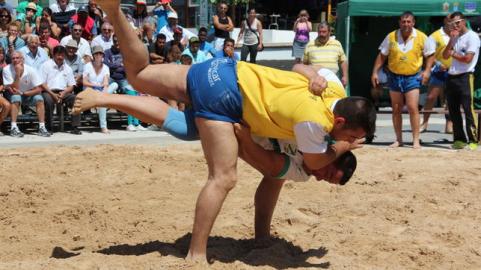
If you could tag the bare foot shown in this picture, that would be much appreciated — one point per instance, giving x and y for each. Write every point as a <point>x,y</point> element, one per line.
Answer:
<point>196,260</point>
<point>105,130</point>
<point>416,145</point>
<point>396,144</point>
<point>85,100</point>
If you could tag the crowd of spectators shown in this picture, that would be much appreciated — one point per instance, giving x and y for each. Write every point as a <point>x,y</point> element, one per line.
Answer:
<point>50,54</point>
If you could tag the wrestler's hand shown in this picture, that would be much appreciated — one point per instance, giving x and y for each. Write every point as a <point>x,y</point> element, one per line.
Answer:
<point>317,85</point>
<point>242,132</point>
<point>374,80</point>
<point>425,77</point>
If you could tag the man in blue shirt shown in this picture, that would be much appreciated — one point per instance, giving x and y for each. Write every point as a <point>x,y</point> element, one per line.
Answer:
<point>32,55</point>
<point>162,10</point>
<point>205,46</point>
<point>228,50</point>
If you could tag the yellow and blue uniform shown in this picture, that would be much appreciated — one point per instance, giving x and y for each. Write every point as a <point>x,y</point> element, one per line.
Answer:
<point>440,40</point>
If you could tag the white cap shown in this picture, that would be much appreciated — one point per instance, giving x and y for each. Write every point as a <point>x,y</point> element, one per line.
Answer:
<point>172,15</point>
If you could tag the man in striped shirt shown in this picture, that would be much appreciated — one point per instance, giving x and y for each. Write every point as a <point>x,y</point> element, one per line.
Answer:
<point>326,52</point>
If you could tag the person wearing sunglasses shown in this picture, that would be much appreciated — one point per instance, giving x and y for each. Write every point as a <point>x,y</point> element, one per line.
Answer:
<point>22,8</point>
<point>5,20</point>
<point>105,39</point>
<point>463,48</point>
<point>84,51</point>
<point>28,19</point>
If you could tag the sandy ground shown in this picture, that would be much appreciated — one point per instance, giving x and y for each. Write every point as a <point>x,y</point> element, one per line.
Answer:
<point>131,207</point>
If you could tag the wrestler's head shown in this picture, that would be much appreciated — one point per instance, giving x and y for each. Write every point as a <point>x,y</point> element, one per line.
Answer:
<point>338,172</point>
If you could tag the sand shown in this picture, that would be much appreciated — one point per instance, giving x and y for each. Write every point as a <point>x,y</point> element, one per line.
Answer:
<point>131,207</point>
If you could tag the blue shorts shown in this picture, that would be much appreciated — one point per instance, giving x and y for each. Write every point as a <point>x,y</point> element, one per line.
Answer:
<point>438,78</point>
<point>181,124</point>
<point>30,101</point>
<point>404,83</point>
<point>213,89</point>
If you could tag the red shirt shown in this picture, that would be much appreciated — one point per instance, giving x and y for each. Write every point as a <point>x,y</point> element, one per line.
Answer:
<point>87,26</point>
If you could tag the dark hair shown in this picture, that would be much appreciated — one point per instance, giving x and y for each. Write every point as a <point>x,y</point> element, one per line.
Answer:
<point>407,14</point>
<point>2,10</point>
<point>229,40</point>
<point>456,14</point>
<point>202,29</point>
<point>359,112</point>
<point>42,28</point>
<point>160,36</point>
<point>347,163</point>
<point>59,49</point>
<point>47,10</point>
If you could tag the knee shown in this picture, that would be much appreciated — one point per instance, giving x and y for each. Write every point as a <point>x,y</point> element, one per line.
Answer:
<point>225,181</point>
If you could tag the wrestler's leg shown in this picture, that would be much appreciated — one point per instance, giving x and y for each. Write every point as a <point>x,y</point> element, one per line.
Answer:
<point>266,197</point>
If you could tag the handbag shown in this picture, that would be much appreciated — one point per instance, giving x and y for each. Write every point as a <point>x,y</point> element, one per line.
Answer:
<point>257,36</point>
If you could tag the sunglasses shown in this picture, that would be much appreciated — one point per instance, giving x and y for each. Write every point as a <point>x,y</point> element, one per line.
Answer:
<point>29,9</point>
<point>457,22</point>
<point>77,30</point>
<point>4,16</point>
<point>108,30</point>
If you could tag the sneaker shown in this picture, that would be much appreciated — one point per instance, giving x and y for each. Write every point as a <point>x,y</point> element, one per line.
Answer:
<point>42,131</point>
<point>473,146</point>
<point>1,134</point>
<point>131,128</point>
<point>141,128</point>
<point>154,128</point>
<point>76,131</point>
<point>15,132</point>
<point>458,145</point>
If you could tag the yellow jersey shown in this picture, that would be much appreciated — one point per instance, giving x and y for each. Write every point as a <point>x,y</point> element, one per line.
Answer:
<point>273,101</point>
<point>439,38</point>
<point>407,60</point>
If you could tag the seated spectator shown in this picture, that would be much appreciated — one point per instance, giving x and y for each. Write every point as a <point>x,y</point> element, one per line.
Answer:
<point>161,10</point>
<point>140,15</point>
<point>186,59</point>
<point>27,20</point>
<point>174,53</point>
<point>4,104</point>
<point>62,11</point>
<point>12,41</point>
<point>24,90</point>
<point>88,24</point>
<point>96,13</point>
<point>5,20</point>
<point>97,76</point>
<point>32,56</point>
<point>23,6</point>
<point>75,63</point>
<point>46,41</point>
<point>148,37</point>
<point>228,50</point>
<point>173,27</point>
<point>193,51</point>
<point>4,4</point>
<point>58,83</point>
<point>177,40</point>
<point>205,46</point>
<point>158,51</point>
<point>83,45</point>
<point>105,39</point>
<point>45,21</point>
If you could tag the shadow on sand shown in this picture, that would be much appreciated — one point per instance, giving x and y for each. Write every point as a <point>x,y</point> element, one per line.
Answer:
<point>277,253</point>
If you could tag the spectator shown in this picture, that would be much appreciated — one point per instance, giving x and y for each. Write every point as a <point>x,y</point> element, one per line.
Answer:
<point>174,53</point>
<point>463,47</point>
<point>158,51</point>
<point>302,27</point>
<point>178,40</point>
<point>74,62</point>
<point>104,40</point>
<point>140,15</point>
<point>162,10</point>
<point>251,32</point>
<point>24,88</point>
<point>172,26</point>
<point>58,82</point>
<point>83,46</point>
<point>32,56</point>
<point>326,52</point>
<point>12,41</point>
<point>185,59</point>
<point>228,50</point>
<point>88,24</point>
<point>205,46</point>
<point>28,19</point>
<point>4,4</point>
<point>46,41</point>
<point>222,25</point>
<point>96,13</point>
<point>45,21</point>
<point>23,6</point>
<point>193,51</point>
<point>404,50</point>
<point>148,37</point>
<point>4,104</point>
<point>5,20</point>
<point>62,11</point>
<point>96,75</point>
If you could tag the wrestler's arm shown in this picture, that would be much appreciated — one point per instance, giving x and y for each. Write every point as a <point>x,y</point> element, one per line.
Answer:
<point>317,83</point>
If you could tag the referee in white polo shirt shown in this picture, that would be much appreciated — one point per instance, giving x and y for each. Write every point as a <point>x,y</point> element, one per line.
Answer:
<point>463,47</point>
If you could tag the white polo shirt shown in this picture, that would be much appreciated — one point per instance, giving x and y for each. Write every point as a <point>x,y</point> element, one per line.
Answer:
<point>467,43</point>
<point>28,81</point>
<point>83,46</point>
<point>103,42</point>
<point>57,78</point>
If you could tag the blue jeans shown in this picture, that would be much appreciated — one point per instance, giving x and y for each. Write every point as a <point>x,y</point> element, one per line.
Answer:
<point>103,111</point>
